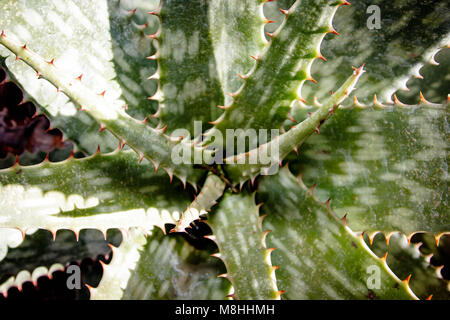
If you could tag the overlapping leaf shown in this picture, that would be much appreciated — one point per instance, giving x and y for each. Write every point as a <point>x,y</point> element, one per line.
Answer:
<point>102,191</point>
<point>386,168</point>
<point>318,255</point>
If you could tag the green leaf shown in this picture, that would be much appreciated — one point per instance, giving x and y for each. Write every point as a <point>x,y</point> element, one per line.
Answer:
<point>111,29</point>
<point>318,255</point>
<point>160,267</point>
<point>148,142</point>
<point>26,276</point>
<point>80,128</point>
<point>386,168</point>
<point>117,273</point>
<point>433,82</point>
<point>237,34</point>
<point>102,191</point>
<point>273,84</point>
<point>237,230</point>
<point>411,32</point>
<point>170,268</point>
<point>266,158</point>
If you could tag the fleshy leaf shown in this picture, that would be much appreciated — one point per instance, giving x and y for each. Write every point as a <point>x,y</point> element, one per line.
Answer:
<point>189,89</point>
<point>319,256</point>
<point>385,167</point>
<point>237,230</point>
<point>273,84</point>
<point>410,33</point>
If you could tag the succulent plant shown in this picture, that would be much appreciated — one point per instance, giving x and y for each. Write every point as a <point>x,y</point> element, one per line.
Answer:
<point>128,83</point>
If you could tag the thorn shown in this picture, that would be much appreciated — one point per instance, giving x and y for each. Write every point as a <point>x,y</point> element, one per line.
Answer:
<point>52,62</point>
<point>261,218</point>
<point>317,130</point>
<point>141,157</point>
<point>101,128</point>
<point>3,35</point>
<point>356,102</point>
<point>322,57</point>
<point>429,297</point>
<point>222,107</point>
<point>345,3</point>
<point>383,258</point>
<point>241,76</point>
<point>132,12</point>
<point>38,74</point>
<point>24,46</point>
<point>102,93</point>
<point>269,21</point>
<point>79,77</point>
<point>145,120</point>
<point>216,255</point>
<point>98,149</point>
<point>275,268</point>
<point>344,219</point>
<point>223,275</point>
<point>269,34</point>
<point>255,58</point>
<point>125,107</point>
<point>285,12</point>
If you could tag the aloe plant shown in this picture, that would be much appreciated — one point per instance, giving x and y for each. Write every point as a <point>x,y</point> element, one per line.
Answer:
<point>128,82</point>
